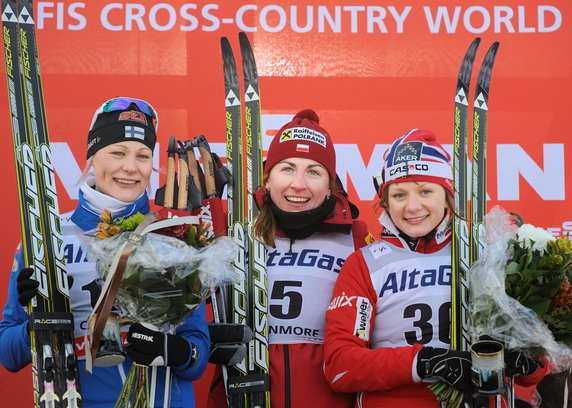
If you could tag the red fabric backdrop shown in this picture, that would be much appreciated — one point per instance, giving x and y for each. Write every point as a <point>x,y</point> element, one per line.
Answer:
<point>372,72</point>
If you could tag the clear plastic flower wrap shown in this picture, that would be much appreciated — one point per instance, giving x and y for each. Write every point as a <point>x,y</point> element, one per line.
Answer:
<point>496,314</point>
<point>165,278</point>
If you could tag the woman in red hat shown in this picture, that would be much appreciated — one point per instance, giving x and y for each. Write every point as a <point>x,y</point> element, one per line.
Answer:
<point>309,229</point>
<point>388,324</point>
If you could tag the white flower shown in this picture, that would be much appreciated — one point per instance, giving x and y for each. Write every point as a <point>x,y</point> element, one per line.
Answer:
<point>532,237</point>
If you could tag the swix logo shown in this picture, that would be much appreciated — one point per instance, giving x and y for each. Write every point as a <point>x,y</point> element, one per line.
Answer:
<point>134,116</point>
<point>340,301</point>
<point>205,215</point>
<point>363,315</point>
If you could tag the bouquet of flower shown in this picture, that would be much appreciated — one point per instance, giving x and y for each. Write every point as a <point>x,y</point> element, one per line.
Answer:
<point>520,293</point>
<point>167,275</point>
<point>520,289</point>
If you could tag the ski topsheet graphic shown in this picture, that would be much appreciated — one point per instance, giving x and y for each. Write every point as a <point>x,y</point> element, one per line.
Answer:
<point>470,192</point>
<point>54,364</point>
<point>247,383</point>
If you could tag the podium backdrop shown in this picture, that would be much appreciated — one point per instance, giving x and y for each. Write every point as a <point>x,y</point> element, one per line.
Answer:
<point>371,70</point>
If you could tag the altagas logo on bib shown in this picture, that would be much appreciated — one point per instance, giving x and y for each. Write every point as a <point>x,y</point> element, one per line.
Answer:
<point>303,133</point>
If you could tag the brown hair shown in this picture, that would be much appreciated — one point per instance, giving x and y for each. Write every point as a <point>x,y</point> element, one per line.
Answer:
<point>265,225</point>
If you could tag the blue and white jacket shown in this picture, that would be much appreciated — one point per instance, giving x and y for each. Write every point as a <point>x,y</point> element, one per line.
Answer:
<point>100,389</point>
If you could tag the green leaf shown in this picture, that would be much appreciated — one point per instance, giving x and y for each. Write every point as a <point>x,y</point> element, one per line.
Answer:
<point>512,268</point>
<point>539,305</point>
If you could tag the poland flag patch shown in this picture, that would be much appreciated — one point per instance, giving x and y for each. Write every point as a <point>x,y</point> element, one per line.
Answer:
<point>304,148</point>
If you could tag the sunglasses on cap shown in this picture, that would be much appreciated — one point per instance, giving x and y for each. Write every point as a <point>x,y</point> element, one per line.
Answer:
<point>122,103</point>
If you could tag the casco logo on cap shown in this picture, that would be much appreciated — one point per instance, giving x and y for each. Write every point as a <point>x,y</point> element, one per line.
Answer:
<point>303,133</point>
<point>404,169</point>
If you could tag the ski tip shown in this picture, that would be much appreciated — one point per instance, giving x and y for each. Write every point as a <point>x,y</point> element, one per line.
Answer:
<point>224,42</point>
<point>467,63</point>
<point>244,41</point>
<point>248,61</point>
<point>486,70</point>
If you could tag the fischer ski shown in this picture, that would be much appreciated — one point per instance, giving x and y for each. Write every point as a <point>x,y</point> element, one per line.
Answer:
<point>54,364</point>
<point>468,233</point>
<point>460,262</point>
<point>258,358</point>
<point>248,382</point>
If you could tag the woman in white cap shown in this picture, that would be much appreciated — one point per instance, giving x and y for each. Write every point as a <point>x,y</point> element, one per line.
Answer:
<point>387,328</point>
<point>309,229</point>
<point>120,147</point>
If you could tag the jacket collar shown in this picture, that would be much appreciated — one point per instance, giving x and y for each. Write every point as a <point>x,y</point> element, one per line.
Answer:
<point>341,215</point>
<point>87,217</point>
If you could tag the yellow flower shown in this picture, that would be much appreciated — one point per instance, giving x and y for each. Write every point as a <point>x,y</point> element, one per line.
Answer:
<point>564,245</point>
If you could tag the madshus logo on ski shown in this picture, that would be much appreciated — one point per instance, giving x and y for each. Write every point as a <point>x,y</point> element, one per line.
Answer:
<point>303,133</point>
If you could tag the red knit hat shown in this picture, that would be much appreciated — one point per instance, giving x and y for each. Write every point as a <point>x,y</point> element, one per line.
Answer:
<point>415,156</point>
<point>303,137</point>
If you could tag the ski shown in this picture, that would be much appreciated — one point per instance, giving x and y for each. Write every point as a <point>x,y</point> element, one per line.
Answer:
<point>54,364</point>
<point>479,156</point>
<point>237,307</point>
<point>460,262</point>
<point>247,383</point>
<point>478,194</point>
<point>467,242</point>
<point>258,358</point>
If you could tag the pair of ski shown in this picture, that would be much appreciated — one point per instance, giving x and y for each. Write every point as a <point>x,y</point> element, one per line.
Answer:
<point>470,196</point>
<point>54,364</point>
<point>247,383</point>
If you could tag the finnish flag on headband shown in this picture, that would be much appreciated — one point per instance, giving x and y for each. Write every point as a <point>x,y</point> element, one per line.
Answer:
<point>134,132</point>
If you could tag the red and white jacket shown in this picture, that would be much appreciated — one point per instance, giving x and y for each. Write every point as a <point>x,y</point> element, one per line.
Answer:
<point>301,275</point>
<point>390,299</point>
